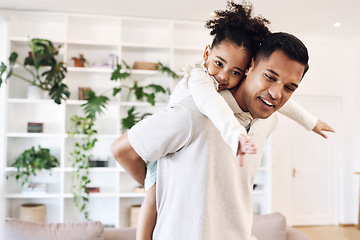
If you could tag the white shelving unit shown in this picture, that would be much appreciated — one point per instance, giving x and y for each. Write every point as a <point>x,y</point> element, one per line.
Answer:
<point>262,190</point>
<point>174,43</point>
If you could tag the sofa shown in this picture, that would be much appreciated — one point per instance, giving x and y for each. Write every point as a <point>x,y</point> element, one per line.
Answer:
<point>266,227</point>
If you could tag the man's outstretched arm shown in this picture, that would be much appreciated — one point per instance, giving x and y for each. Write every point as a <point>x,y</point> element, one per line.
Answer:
<point>128,158</point>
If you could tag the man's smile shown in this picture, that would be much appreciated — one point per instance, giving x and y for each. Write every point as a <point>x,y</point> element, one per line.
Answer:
<point>267,103</point>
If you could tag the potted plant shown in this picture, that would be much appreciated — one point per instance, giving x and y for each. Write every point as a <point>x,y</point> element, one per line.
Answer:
<point>140,92</point>
<point>46,73</point>
<point>79,61</point>
<point>82,152</point>
<point>83,128</point>
<point>31,161</point>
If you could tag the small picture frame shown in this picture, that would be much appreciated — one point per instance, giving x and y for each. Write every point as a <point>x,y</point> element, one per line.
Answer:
<point>33,127</point>
<point>93,189</point>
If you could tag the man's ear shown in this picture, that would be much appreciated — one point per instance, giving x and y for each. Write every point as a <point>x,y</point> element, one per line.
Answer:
<point>251,67</point>
<point>207,52</point>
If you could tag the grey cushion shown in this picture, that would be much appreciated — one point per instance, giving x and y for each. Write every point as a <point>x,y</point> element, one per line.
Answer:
<point>16,229</point>
<point>120,233</point>
<point>270,227</point>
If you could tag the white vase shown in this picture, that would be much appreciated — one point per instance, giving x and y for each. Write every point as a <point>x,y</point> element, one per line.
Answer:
<point>35,92</point>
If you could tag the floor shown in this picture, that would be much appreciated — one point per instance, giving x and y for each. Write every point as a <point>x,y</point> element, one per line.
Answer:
<point>332,232</point>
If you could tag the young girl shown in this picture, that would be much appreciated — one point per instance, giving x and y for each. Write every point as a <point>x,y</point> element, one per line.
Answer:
<point>237,36</point>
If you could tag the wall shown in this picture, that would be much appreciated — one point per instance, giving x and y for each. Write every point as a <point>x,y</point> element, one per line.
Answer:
<point>332,74</point>
<point>3,54</point>
<point>352,152</point>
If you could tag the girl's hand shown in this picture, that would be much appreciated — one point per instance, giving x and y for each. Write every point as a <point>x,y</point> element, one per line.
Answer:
<point>245,147</point>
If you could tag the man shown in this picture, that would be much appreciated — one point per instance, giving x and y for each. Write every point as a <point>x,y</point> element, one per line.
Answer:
<point>201,191</point>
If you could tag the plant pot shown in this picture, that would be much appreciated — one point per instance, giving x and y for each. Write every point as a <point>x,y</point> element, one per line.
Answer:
<point>44,61</point>
<point>134,215</point>
<point>78,62</point>
<point>33,212</point>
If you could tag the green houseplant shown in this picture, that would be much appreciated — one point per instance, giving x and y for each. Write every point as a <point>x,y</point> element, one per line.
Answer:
<point>43,70</point>
<point>85,142</point>
<point>31,161</point>
<point>141,92</point>
<point>82,127</point>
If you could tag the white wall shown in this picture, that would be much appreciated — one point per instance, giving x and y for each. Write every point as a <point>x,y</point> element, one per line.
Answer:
<point>3,58</point>
<point>352,150</point>
<point>333,73</point>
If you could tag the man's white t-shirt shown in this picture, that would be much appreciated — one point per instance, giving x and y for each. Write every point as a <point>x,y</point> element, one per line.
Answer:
<point>202,193</point>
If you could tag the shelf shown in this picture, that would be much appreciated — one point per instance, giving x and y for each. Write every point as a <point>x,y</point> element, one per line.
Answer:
<point>75,102</point>
<point>93,195</point>
<point>260,192</point>
<point>96,169</point>
<point>13,169</point>
<point>90,69</point>
<point>141,104</point>
<point>35,135</point>
<point>132,195</point>
<point>93,43</point>
<point>190,48</point>
<point>144,72</point>
<point>20,39</point>
<point>98,136</point>
<point>33,195</point>
<point>80,102</point>
<point>30,101</point>
<point>25,40</point>
<point>141,45</point>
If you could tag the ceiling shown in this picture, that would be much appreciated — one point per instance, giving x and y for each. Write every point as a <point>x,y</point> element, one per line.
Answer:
<point>313,18</point>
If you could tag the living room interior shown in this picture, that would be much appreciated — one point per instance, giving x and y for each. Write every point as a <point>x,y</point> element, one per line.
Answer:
<point>310,180</point>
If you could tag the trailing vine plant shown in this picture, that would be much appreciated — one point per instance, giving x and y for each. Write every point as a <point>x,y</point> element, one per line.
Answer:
<point>82,127</point>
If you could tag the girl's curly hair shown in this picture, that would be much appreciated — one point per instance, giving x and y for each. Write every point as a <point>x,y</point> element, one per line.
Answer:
<point>237,25</point>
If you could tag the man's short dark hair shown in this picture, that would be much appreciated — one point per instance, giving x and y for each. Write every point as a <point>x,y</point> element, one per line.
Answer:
<point>290,45</point>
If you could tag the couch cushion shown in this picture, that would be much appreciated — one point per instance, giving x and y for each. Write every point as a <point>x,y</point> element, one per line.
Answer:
<point>120,233</point>
<point>270,227</point>
<point>16,229</point>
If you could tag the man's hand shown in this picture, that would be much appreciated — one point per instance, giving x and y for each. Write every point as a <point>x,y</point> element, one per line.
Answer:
<point>322,126</point>
<point>245,147</point>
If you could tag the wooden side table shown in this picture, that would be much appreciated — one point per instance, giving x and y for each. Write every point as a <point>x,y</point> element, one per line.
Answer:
<point>358,226</point>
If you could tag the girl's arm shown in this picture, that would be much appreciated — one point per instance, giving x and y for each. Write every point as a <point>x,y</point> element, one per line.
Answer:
<point>213,105</point>
<point>297,113</point>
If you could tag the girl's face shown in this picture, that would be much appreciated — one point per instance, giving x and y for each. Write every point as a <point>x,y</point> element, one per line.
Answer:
<point>227,62</point>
